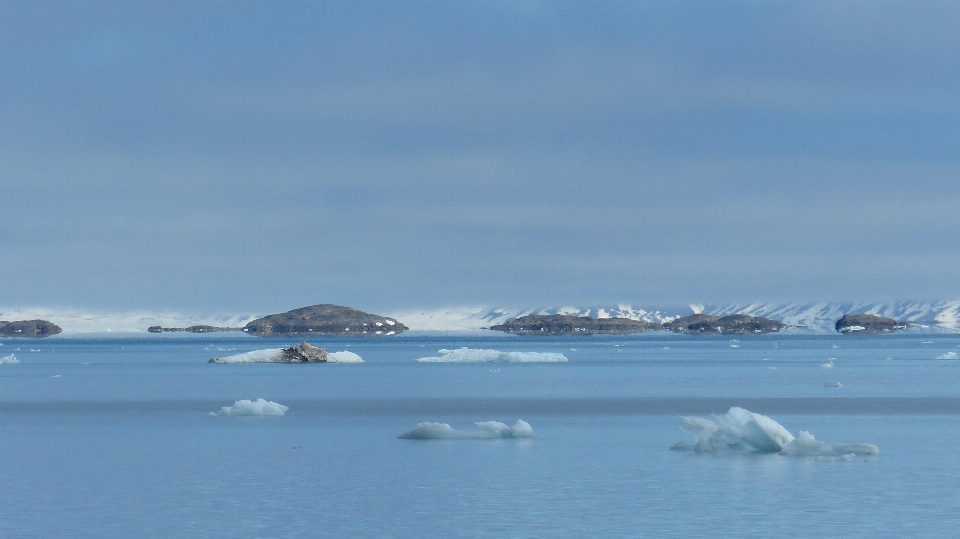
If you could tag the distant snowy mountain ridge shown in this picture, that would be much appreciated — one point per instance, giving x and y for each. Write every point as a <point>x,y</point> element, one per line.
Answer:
<point>940,316</point>
<point>937,316</point>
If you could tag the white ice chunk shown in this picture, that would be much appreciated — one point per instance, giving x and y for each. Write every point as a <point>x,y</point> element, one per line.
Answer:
<point>486,430</point>
<point>343,357</point>
<point>270,355</point>
<point>948,355</point>
<point>478,355</point>
<point>9,360</point>
<point>259,407</point>
<point>743,430</point>
<point>805,445</point>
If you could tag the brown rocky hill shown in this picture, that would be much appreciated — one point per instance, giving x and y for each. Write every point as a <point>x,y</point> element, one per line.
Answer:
<point>736,324</point>
<point>28,328</point>
<point>868,323</point>
<point>561,324</point>
<point>325,319</point>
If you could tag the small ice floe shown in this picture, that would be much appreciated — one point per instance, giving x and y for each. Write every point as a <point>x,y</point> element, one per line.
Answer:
<point>734,346</point>
<point>948,355</point>
<point>666,347</point>
<point>486,430</point>
<point>56,376</point>
<point>259,407</point>
<point>9,360</point>
<point>828,364</point>
<point>851,329</point>
<point>835,346</point>
<point>476,355</point>
<point>832,384</point>
<point>740,430</point>
<point>927,342</point>
<point>302,353</point>
<point>772,368</point>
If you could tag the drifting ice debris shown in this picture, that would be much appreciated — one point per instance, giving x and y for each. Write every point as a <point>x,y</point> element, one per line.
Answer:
<point>743,430</point>
<point>486,430</point>
<point>260,407</point>
<point>9,360</point>
<point>474,355</point>
<point>302,353</point>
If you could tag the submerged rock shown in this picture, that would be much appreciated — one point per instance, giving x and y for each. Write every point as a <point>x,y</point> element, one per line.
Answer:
<point>28,328</point>
<point>322,320</point>
<point>868,323</point>
<point>736,324</point>
<point>561,324</point>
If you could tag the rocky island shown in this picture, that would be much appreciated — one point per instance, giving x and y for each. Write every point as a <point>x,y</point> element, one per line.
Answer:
<point>324,320</point>
<point>28,328</point>
<point>191,329</point>
<point>734,324</point>
<point>561,324</point>
<point>868,323</point>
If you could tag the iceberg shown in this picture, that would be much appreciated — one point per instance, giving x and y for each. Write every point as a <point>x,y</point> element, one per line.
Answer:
<point>343,357</point>
<point>479,355</point>
<point>260,407</point>
<point>9,360</point>
<point>302,353</point>
<point>948,355</point>
<point>742,430</point>
<point>486,430</point>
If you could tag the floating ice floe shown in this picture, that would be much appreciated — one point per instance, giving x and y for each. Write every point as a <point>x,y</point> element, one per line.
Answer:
<point>260,407</point>
<point>742,430</point>
<point>828,364</point>
<point>850,329</point>
<point>9,360</point>
<point>302,353</point>
<point>948,355</point>
<point>477,355</point>
<point>832,384</point>
<point>486,430</point>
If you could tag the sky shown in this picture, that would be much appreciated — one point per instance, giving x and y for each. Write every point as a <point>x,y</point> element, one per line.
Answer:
<point>263,156</point>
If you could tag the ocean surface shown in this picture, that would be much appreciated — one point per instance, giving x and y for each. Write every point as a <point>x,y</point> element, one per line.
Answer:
<point>126,437</point>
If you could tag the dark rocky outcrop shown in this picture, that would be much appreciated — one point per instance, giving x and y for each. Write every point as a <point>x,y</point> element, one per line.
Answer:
<point>192,329</point>
<point>868,323</point>
<point>735,324</point>
<point>28,328</point>
<point>305,353</point>
<point>561,324</point>
<point>302,353</point>
<point>326,319</point>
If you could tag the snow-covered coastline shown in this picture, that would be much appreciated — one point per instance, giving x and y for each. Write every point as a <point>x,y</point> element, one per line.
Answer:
<point>926,316</point>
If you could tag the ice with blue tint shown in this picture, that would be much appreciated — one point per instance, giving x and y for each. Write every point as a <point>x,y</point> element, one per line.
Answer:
<point>472,355</point>
<point>486,430</point>
<point>9,360</point>
<point>743,430</point>
<point>259,407</point>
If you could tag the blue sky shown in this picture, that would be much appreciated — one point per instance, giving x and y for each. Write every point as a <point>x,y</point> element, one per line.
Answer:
<point>268,155</point>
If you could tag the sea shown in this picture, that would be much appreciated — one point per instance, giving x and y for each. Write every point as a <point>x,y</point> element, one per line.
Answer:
<point>134,437</point>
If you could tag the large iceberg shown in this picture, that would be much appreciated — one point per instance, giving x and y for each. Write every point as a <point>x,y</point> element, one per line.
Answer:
<point>486,430</point>
<point>742,430</point>
<point>479,355</point>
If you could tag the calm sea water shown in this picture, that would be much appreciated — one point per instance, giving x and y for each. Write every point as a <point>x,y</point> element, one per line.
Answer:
<point>106,437</point>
